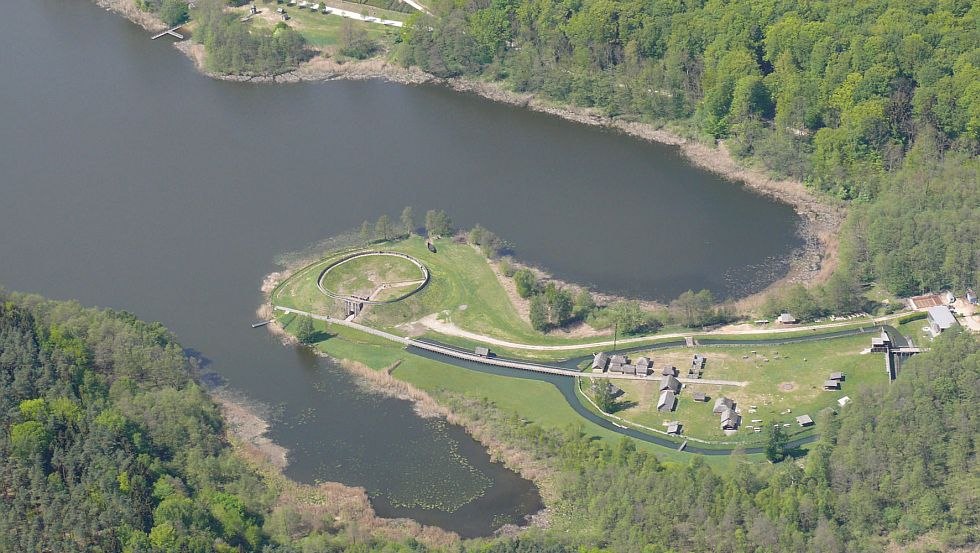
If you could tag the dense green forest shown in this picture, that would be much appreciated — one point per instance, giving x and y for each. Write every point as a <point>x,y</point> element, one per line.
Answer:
<point>233,48</point>
<point>876,102</point>
<point>897,463</point>
<point>107,443</point>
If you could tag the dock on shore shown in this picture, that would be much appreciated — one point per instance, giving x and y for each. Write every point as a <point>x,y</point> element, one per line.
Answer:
<point>172,32</point>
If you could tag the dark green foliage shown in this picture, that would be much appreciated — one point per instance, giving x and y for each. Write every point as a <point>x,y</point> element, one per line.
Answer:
<point>559,304</point>
<point>776,444</point>
<point>896,463</point>
<point>584,304</point>
<point>833,93</point>
<point>108,444</point>
<point>924,232</point>
<point>96,407</point>
<point>539,313</point>
<point>174,12</point>
<point>355,42</point>
<point>237,49</point>
<point>856,83</point>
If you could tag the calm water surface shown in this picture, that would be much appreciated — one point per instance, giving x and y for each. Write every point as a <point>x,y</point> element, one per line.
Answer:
<point>127,180</point>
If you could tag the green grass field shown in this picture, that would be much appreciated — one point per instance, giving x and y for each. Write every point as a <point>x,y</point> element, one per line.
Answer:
<point>781,378</point>
<point>325,31</point>
<point>534,401</point>
<point>361,276</point>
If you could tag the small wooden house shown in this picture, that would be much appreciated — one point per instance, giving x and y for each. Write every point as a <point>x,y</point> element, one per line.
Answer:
<point>730,419</point>
<point>722,404</point>
<point>670,383</point>
<point>786,319</point>
<point>667,401</point>
<point>599,362</point>
<point>804,420</point>
<point>831,385</point>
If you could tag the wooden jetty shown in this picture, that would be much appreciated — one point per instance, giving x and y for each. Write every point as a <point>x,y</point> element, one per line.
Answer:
<point>683,445</point>
<point>172,32</point>
<point>261,323</point>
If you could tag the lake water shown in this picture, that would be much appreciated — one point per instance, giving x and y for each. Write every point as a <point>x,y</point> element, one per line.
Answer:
<point>128,180</point>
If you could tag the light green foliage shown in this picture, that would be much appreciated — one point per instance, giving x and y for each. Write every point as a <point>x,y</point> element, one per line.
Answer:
<point>34,409</point>
<point>694,309</point>
<point>408,220</point>
<point>305,332</point>
<point>28,439</point>
<point>438,223</point>
<point>525,282</point>
<point>382,229</point>
<point>628,317</point>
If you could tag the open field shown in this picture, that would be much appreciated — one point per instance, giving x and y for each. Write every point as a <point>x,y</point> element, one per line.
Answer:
<point>362,276</point>
<point>533,401</point>
<point>325,31</point>
<point>781,378</point>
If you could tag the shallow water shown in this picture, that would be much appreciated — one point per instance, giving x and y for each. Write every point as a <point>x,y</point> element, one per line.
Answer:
<point>128,180</point>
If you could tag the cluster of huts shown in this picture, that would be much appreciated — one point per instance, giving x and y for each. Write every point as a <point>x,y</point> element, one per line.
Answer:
<point>601,362</point>
<point>833,383</point>
<point>670,386</point>
<point>729,417</point>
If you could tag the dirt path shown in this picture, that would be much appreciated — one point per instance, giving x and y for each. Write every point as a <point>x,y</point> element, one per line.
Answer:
<point>433,323</point>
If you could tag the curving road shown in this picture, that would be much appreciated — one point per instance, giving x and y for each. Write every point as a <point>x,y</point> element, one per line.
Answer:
<point>564,376</point>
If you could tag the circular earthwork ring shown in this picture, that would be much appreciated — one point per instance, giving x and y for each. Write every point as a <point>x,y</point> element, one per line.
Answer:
<point>421,283</point>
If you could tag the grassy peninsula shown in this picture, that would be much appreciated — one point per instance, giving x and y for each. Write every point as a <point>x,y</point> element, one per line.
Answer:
<point>531,424</point>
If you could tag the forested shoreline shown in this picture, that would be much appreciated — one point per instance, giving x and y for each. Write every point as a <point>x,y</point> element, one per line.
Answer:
<point>877,104</point>
<point>108,443</point>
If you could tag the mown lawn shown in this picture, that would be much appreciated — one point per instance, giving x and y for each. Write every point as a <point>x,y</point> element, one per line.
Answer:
<point>781,378</point>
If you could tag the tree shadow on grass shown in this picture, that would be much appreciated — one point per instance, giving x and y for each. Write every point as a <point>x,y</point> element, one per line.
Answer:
<point>622,406</point>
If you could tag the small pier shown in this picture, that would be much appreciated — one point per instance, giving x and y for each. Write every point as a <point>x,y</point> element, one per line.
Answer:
<point>682,446</point>
<point>261,323</point>
<point>172,32</point>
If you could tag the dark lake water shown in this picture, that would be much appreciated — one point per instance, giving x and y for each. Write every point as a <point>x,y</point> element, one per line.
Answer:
<point>127,180</point>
